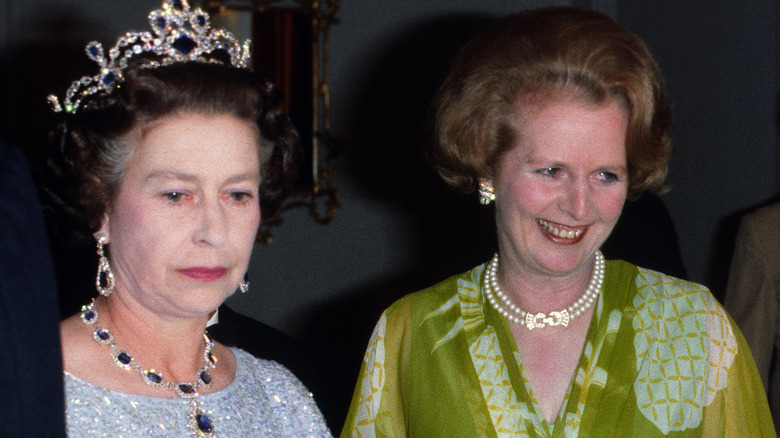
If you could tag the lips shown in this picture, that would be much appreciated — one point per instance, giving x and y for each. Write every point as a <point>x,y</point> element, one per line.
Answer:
<point>204,274</point>
<point>559,234</point>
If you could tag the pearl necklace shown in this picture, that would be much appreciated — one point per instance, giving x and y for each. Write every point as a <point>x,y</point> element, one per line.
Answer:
<point>198,421</point>
<point>558,317</point>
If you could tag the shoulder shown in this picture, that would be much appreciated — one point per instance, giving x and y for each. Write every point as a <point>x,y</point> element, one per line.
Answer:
<point>653,285</point>
<point>769,213</point>
<point>654,296</point>
<point>668,309</point>
<point>678,308</point>
<point>290,400</point>
<point>765,220</point>
<point>246,363</point>
<point>433,312</point>
<point>272,376</point>
<point>455,288</point>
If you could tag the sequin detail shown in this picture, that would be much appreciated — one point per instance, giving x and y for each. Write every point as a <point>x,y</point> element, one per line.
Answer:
<point>264,400</point>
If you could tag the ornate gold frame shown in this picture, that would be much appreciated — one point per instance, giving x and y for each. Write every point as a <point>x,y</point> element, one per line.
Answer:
<point>318,194</point>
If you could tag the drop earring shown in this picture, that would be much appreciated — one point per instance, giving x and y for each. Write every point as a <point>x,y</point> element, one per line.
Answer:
<point>104,282</point>
<point>487,194</point>
<point>244,286</point>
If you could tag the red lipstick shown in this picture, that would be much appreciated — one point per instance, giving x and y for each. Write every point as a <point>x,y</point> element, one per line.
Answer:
<point>202,273</point>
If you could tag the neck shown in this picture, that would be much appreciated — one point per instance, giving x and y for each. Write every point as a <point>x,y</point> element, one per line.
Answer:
<point>542,292</point>
<point>173,346</point>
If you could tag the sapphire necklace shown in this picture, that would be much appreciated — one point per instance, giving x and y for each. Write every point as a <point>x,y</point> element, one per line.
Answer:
<point>197,420</point>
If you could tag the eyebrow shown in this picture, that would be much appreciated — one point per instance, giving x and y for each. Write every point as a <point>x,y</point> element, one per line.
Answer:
<point>181,176</point>
<point>164,174</point>
<point>535,161</point>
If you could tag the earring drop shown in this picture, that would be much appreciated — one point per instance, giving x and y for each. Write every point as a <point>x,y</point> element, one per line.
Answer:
<point>487,194</point>
<point>244,286</point>
<point>104,282</point>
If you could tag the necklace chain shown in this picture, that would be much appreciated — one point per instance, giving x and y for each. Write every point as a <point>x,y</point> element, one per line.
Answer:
<point>504,305</point>
<point>198,421</point>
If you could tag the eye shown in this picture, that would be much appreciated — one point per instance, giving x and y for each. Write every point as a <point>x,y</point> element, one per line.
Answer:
<point>608,176</point>
<point>174,196</point>
<point>549,171</point>
<point>240,197</point>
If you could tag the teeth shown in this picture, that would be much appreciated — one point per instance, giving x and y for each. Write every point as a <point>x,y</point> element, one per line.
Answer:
<point>559,232</point>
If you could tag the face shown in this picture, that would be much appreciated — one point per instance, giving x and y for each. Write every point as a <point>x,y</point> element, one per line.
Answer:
<point>561,188</point>
<point>182,227</point>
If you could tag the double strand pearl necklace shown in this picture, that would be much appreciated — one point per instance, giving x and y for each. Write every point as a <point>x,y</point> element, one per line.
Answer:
<point>515,314</point>
<point>197,420</point>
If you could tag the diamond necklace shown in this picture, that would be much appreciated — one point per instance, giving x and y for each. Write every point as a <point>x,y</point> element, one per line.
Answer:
<point>197,420</point>
<point>512,312</point>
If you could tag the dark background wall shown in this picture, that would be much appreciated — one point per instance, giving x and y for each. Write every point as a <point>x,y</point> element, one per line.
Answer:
<point>720,62</point>
<point>399,229</point>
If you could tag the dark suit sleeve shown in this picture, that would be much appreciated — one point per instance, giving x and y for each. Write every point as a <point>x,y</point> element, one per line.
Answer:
<point>750,297</point>
<point>30,356</point>
<point>753,291</point>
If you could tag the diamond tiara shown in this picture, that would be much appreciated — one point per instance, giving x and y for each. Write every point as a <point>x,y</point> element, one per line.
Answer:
<point>180,35</point>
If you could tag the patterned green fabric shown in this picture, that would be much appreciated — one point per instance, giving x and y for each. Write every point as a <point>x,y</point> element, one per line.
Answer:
<point>661,358</point>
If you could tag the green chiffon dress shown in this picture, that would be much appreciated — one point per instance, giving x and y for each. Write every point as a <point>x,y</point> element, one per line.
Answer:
<point>661,358</point>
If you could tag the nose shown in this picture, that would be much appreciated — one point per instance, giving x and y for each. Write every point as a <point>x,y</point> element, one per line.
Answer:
<point>212,227</point>
<point>576,199</point>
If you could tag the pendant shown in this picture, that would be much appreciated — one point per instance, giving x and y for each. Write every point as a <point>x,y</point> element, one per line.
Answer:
<point>541,320</point>
<point>199,422</point>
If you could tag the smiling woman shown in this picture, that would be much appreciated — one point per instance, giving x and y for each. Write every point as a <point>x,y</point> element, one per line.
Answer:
<point>169,157</point>
<point>560,190</point>
<point>557,115</point>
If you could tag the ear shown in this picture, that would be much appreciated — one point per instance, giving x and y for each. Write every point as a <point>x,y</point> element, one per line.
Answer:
<point>103,231</point>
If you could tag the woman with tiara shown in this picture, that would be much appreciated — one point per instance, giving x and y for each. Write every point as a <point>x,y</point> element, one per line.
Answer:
<point>171,156</point>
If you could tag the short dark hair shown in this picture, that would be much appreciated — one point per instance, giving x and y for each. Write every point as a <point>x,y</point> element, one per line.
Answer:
<point>89,154</point>
<point>545,51</point>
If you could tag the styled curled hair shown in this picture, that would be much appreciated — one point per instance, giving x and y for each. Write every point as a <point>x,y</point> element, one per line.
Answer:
<point>533,55</point>
<point>88,152</point>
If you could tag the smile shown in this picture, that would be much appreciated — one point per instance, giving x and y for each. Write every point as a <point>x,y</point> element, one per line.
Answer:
<point>203,273</point>
<point>564,234</point>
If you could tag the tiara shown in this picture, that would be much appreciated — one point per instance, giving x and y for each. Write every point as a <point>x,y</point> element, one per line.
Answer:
<point>180,35</point>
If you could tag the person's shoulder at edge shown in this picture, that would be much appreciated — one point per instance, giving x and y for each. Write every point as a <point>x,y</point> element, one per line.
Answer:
<point>768,215</point>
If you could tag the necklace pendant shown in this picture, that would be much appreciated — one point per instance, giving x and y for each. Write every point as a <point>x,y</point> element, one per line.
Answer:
<point>200,423</point>
<point>541,320</point>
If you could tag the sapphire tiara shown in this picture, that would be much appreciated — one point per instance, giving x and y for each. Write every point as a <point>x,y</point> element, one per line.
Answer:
<point>179,35</point>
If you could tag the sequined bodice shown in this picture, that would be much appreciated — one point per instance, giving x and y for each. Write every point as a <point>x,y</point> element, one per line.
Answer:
<point>264,400</point>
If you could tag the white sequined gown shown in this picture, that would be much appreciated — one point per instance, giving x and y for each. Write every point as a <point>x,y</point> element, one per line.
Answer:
<point>264,400</point>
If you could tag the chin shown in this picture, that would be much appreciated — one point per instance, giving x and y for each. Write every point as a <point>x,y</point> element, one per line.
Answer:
<point>570,261</point>
<point>205,300</point>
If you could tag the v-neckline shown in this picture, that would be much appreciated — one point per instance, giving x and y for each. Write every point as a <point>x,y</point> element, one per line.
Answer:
<point>518,378</point>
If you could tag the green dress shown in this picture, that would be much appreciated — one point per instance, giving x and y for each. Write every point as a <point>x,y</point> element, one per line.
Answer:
<point>661,358</point>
